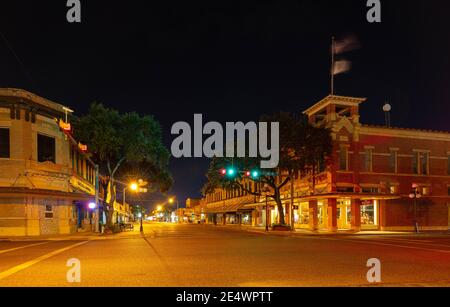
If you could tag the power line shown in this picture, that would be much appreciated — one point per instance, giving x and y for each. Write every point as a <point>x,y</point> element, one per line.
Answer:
<point>22,65</point>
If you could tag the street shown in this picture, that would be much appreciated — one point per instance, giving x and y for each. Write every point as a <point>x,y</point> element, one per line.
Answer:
<point>204,255</point>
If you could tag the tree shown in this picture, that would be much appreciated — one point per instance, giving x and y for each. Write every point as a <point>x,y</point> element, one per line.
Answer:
<point>304,149</point>
<point>116,140</point>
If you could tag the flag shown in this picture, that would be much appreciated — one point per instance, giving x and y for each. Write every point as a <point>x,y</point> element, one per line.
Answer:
<point>346,44</point>
<point>341,66</point>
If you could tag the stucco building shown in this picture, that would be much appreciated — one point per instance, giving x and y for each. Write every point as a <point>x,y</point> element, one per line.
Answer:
<point>46,182</point>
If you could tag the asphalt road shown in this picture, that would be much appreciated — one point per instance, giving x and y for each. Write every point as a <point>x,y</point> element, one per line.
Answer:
<point>203,255</point>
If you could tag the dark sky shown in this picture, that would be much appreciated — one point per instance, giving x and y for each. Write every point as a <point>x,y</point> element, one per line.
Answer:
<point>228,60</point>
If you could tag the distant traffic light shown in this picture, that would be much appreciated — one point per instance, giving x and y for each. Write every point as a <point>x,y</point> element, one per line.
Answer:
<point>255,174</point>
<point>223,172</point>
<point>231,172</point>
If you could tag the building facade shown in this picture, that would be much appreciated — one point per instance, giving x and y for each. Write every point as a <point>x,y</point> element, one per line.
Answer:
<point>368,184</point>
<point>46,182</point>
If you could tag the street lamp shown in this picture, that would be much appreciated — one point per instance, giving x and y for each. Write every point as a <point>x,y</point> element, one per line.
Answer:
<point>414,196</point>
<point>133,186</point>
<point>91,207</point>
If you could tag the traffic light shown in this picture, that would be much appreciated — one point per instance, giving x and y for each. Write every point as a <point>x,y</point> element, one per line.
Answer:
<point>255,174</point>
<point>231,172</point>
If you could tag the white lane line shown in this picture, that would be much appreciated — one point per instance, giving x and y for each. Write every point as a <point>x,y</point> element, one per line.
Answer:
<point>390,244</point>
<point>415,242</point>
<point>20,247</point>
<point>27,264</point>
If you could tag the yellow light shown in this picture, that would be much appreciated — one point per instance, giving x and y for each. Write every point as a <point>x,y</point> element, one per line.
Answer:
<point>159,208</point>
<point>171,200</point>
<point>134,186</point>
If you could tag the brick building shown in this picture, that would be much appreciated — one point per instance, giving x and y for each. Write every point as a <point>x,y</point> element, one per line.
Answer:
<point>367,185</point>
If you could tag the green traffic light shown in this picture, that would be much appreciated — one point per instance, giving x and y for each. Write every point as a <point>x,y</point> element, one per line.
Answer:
<point>255,174</point>
<point>231,172</point>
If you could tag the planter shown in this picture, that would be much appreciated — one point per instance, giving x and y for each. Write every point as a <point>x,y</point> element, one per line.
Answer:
<point>281,227</point>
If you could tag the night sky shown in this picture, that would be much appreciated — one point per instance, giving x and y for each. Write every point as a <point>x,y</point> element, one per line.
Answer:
<point>228,60</point>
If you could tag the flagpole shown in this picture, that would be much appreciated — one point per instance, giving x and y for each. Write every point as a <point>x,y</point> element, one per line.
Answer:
<point>332,65</point>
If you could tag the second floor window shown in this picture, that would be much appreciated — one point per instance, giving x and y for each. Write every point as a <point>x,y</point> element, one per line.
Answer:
<point>4,143</point>
<point>393,161</point>
<point>368,160</point>
<point>343,159</point>
<point>420,163</point>
<point>46,148</point>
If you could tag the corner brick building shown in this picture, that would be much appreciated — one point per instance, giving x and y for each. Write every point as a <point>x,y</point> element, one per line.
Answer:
<point>366,186</point>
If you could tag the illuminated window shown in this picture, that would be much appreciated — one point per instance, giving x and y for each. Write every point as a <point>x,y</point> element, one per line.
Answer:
<point>369,213</point>
<point>393,189</point>
<point>425,190</point>
<point>370,190</point>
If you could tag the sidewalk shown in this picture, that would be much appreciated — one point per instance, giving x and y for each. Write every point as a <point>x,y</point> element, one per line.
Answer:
<point>305,232</point>
<point>76,236</point>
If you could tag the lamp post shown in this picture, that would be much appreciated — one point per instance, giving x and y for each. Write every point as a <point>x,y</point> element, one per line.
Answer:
<point>133,186</point>
<point>414,196</point>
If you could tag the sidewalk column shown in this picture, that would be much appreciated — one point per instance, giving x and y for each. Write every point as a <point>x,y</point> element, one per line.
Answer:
<point>287,216</point>
<point>356,214</point>
<point>313,218</point>
<point>332,214</point>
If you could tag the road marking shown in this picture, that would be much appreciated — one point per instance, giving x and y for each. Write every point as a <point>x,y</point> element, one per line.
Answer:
<point>389,244</point>
<point>27,264</point>
<point>20,247</point>
<point>417,242</point>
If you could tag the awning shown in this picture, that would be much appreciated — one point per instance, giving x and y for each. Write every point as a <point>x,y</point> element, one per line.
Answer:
<point>229,205</point>
<point>44,193</point>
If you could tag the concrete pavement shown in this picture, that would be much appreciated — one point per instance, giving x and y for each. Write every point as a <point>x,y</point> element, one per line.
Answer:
<point>203,255</point>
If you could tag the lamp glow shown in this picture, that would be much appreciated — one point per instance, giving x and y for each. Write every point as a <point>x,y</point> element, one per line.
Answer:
<point>91,205</point>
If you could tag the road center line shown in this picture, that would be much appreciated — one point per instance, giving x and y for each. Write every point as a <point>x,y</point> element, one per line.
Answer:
<point>20,247</point>
<point>27,264</point>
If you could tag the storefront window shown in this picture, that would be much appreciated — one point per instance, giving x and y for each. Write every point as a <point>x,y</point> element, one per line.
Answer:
<point>301,215</point>
<point>246,218</point>
<point>369,213</point>
<point>231,219</point>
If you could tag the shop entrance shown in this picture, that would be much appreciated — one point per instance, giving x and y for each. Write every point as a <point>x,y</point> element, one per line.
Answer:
<point>322,214</point>
<point>344,214</point>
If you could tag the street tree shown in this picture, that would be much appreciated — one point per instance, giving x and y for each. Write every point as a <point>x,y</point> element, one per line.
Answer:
<point>304,150</point>
<point>117,139</point>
